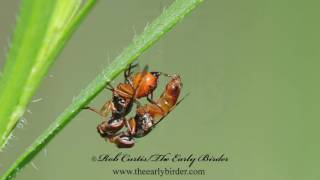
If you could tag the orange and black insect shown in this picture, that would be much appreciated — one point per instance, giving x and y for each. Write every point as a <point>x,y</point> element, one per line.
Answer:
<point>142,84</point>
<point>149,115</point>
<point>135,87</point>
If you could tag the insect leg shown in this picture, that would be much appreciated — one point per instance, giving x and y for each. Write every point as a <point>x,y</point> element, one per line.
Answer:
<point>127,73</point>
<point>132,126</point>
<point>104,111</point>
<point>109,87</point>
<point>150,99</point>
<point>93,110</point>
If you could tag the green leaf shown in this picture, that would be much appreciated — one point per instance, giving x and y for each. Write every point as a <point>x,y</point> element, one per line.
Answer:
<point>42,29</point>
<point>170,17</point>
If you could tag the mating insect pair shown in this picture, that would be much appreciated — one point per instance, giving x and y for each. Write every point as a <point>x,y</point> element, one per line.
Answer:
<point>135,87</point>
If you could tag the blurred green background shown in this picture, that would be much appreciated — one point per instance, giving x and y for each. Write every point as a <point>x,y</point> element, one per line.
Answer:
<point>252,68</point>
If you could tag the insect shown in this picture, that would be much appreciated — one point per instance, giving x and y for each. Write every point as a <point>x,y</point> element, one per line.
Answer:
<point>135,87</point>
<point>149,115</point>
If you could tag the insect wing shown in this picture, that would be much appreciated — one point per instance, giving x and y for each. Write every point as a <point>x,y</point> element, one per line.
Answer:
<point>171,109</point>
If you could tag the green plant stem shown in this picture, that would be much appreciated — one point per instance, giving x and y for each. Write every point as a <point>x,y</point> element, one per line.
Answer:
<point>170,17</point>
<point>42,31</point>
